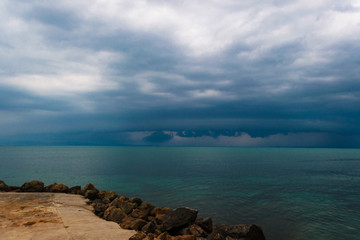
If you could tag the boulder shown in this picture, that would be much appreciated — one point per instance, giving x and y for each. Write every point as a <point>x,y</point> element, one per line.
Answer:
<point>159,213</point>
<point>149,227</point>
<point>107,197</point>
<point>91,194</point>
<point>184,237</point>
<point>33,186</point>
<point>194,230</point>
<point>99,208</point>
<point>75,190</point>
<point>57,187</point>
<point>164,236</point>
<point>125,205</point>
<point>142,211</point>
<point>130,222</point>
<point>88,186</point>
<point>138,236</point>
<point>205,223</point>
<point>114,214</point>
<point>136,200</point>
<point>240,232</point>
<point>177,219</point>
<point>3,186</point>
<point>14,189</point>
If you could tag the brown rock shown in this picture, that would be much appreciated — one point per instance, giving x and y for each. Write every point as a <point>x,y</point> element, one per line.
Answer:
<point>33,186</point>
<point>150,236</point>
<point>107,197</point>
<point>242,231</point>
<point>88,186</point>
<point>114,214</point>
<point>138,236</point>
<point>159,210</point>
<point>3,186</point>
<point>177,219</point>
<point>159,213</point>
<point>99,209</point>
<point>136,200</point>
<point>205,223</point>
<point>14,189</point>
<point>57,187</point>
<point>130,222</point>
<point>149,227</point>
<point>125,205</point>
<point>142,211</point>
<point>164,236</point>
<point>91,194</point>
<point>184,237</point>
<point>75,190</point>
<point>194,230</point>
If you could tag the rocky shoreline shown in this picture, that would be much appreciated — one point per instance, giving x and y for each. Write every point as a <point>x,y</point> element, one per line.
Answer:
<point>150,222</point>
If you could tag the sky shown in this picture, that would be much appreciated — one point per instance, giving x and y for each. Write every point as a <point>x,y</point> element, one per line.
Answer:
<point>271,73</point>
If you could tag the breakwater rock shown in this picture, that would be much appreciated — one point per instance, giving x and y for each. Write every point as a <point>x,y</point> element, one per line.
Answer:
<point>150,222</point>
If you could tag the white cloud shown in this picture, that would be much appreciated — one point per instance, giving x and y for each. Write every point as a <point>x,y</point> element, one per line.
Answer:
<point>208,28</point>
<point>58,85</point>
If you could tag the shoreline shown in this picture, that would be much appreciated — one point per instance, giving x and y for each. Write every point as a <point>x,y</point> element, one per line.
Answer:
<point>150,222</point>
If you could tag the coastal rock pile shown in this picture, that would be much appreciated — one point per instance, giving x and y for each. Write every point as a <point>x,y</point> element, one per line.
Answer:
<point>151,222</point>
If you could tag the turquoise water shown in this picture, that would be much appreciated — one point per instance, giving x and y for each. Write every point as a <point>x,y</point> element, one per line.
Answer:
<point>293,194</point>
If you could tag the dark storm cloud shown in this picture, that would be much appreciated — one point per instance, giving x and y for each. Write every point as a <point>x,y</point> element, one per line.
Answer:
<point>235,73</point>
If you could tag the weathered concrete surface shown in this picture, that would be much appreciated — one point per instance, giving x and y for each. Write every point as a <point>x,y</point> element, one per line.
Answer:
<point>44,216</point>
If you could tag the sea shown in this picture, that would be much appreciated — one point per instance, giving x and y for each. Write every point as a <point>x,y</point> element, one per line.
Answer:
<point>292,193</point>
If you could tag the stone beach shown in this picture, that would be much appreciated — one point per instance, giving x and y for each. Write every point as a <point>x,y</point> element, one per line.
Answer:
<point>137,219</point>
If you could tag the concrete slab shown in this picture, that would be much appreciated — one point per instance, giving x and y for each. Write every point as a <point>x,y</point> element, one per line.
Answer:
<point>44,216</point>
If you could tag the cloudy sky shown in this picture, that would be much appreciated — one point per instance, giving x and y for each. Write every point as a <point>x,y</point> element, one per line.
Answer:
<point>202,73</point>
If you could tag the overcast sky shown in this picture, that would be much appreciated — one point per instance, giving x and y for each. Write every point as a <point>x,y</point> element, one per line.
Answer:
<point>202,73</point>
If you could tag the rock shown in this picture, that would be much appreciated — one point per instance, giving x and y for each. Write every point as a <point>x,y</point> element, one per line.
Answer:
<point>99,209</point>
<point>130,222</point>
<point>149,227</point>
<point>138,236</point>
<point>123,198</point>
<point>88,186</point>
<point>75,190</point>
<point>205,223</point>
<point>33,186</point>
<point>14,189</point>
<point>159,210</point>
<point>184,237</point>
<point>91,194</point>
<point>142,211</point>
<point>242,231</point>
<point>107,197</point>
<point>114,214</point>
<point>150,236</point>
<point>3,186</point>
<point>159,213</point>
<point>194,230</point>
<point>136,200</point>
<point>57,187</point>
<point>164,236</point>
<point>179,218</point>
<point>125,205</point>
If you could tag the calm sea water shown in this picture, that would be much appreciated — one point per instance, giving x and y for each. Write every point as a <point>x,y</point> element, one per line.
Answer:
<point>293,194</point>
